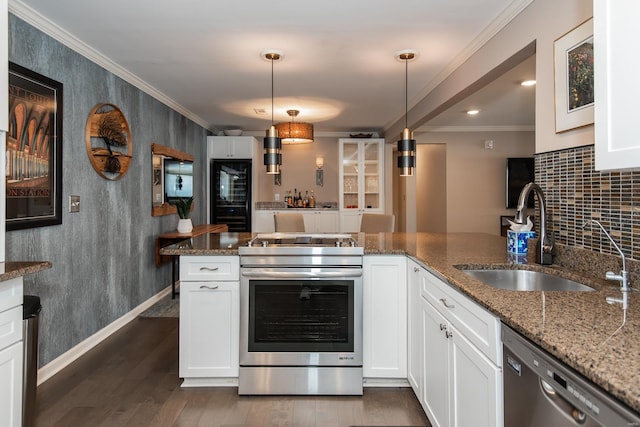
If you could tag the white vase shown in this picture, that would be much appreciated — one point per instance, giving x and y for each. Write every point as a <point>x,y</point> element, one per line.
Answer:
<point>185,225</point>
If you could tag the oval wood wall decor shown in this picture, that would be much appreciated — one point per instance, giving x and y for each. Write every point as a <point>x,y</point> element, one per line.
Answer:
<point>108,141</point>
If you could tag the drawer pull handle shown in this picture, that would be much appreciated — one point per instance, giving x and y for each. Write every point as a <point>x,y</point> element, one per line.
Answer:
<point>448,334</point>
<point>443,326</point>
<point>212,288</point>
<point>416,269</point>
<point>208,269</point>
<point>444,302</point>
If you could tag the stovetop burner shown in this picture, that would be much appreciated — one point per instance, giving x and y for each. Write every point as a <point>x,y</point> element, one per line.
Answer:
<point>302,239</point>
<point>301,243</point>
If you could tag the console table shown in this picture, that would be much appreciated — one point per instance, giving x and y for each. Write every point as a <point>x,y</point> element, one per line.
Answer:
<point>175,237</point>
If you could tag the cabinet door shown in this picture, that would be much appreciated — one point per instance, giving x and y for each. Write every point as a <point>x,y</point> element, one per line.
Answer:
<point>436,366</point>
<point>209,329</point>
<point>224,147</point>
<point>326,222</point>
<point>476,386</point>
<point>384,323</point>
<point>372,177</point>
<point>350,221</point>
<point>11,386</point>
<point>241,147</point>
<point>414,328</point>
<point>615,84</point>
<point>263,222</point>
<point>361,175</point>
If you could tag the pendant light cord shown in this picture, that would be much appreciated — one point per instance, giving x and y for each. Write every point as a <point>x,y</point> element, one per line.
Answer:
<point>406,91</point>
<point>271,91</point>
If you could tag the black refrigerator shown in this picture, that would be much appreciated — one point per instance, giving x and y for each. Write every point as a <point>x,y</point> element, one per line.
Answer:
<point>230,196</point>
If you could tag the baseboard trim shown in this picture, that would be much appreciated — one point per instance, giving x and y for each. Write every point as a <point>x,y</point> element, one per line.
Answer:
<point>65,359</point>
<point>385,382</point>
<point>210,382</point>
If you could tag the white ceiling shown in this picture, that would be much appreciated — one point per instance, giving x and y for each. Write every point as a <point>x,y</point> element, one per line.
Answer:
<point>203,57</point>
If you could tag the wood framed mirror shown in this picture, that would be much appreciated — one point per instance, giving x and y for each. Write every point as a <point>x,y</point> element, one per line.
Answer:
<point>159,155</point>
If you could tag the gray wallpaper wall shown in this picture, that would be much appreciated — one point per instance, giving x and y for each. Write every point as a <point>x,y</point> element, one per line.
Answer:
<point>103,256</point>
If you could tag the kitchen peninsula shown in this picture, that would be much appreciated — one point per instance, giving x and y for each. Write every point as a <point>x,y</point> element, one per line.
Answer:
<point>12,339</point>
<point>596,339</point>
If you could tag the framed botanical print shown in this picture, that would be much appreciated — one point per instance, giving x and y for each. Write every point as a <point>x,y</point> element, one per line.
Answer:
<point>574,95</point>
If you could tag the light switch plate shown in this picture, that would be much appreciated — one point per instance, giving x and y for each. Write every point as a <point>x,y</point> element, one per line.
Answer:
<point>74,203</point>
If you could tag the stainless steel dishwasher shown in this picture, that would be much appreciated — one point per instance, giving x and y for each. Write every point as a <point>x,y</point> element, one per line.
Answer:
<point>541,391</point>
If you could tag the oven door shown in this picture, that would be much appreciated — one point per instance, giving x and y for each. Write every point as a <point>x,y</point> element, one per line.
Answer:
<point>299,316</point>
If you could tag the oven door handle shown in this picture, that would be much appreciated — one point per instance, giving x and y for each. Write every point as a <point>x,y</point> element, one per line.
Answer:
<point>270,274</point>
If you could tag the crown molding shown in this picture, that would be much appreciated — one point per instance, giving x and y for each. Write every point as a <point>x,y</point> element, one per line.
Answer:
<point>42,23</point>
<point>489,128</point>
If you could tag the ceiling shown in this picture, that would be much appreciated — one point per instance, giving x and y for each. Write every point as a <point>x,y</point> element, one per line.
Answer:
<point>203,58</point>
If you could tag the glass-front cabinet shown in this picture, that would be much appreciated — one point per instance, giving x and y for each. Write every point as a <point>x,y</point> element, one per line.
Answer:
<point>361,182</point>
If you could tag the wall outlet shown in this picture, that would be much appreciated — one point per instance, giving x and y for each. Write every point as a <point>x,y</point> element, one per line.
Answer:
<point>277,197</point>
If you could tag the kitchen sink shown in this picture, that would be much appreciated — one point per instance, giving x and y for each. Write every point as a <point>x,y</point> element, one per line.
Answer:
<point>526,280</point>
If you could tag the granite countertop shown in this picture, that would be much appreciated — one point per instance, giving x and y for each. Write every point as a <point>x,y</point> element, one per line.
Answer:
<point>598,340</point>
<point>11,270</point>
<point>281,206</point>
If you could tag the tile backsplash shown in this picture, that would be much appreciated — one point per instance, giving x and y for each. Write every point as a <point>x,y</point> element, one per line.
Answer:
<point>576,192</point>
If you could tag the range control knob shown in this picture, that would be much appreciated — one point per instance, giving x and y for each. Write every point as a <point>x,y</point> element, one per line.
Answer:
<point>338,243</point>
<point>265,243</point>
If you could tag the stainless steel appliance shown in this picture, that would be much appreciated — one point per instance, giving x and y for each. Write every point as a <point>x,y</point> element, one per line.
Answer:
<point>230,196</point>
<point>301,314</point>
<point>541,391</point>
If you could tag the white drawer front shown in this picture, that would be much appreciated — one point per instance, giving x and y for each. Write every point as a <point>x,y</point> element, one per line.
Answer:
<point>207,268</point>
<point>474,322</point>
<point>10,293</point>
<point>10,326</point>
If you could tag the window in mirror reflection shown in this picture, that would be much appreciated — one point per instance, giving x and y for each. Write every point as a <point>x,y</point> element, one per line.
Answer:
<point>178,179</point>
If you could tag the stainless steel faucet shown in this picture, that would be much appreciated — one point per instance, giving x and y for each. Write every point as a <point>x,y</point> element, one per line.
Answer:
<point>623,277</point>
<point>545,248</point>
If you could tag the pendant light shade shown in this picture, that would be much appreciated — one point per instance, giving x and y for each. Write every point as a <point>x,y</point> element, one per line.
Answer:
<point>272,143</point>
<point>406,145</point>
<point>295,132</point>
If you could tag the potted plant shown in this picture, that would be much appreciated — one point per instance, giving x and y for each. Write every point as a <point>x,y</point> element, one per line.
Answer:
<point>183,206</point>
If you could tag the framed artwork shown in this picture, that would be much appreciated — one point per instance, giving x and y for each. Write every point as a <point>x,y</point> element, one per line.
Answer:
<point>573,63</point>
<point>34,150</point>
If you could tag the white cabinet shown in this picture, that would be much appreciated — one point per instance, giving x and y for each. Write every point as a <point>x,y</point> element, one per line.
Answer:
<point>263,221</point>
<point>321,222</point>
<point>614,24</point>
<point>209,320</point>
<point>414,328</point>
<point>230,147</point>
<point>384,306</point>
<point>462,358</point>
<point>361,180</point>
<point>11,352</point>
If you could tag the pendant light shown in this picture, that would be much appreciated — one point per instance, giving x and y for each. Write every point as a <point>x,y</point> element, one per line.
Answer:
<point>406,145</point>
<point>295,132</point>
<point>272,143</point>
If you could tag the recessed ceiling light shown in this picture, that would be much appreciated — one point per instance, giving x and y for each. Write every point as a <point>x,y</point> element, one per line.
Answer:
<point>528,83</point>
<point>473,112</point>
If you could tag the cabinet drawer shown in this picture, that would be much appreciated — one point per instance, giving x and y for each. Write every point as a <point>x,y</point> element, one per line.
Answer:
<point>10,293</point>
<point>479,326</point>
<point>10,326</point>
<point>206,268</point>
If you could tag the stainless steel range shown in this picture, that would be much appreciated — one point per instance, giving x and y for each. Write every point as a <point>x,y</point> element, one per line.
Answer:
<point>301,314</point>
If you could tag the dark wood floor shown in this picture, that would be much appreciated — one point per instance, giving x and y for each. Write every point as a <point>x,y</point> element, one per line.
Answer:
<point>131,379</point>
